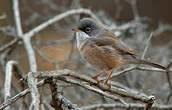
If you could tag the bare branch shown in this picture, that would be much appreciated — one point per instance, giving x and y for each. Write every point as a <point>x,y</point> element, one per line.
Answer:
<point>55,93</point>
<point>131,106</point>
<point>121,92</point>
<point>138,68</point>
<point>53,41</point>
<point>151,69</point>
<point>150,103</point>
<point>10,44</point>
<point>133,4</point>
<point>8,78</point>
<point>19,95</point>
<point>34,92</point>
<point>123,71</point>
<point>31,54</point>
<point>168,76</point>
<point>68,103</point>
<point>32,60</point>
<point>17,18</point>
<point>162,28</point>
<point>87,86</point>
<point>26,39</point>
<point>147,45</point>
<point>8,30</point>
<point>57,18</point>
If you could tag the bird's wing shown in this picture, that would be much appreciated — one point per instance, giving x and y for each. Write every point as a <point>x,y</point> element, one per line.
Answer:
<point>117,44</point>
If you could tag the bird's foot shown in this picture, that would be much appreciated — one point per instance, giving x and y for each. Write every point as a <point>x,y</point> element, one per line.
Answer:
<point>96,78</point>
<point>109,85</point>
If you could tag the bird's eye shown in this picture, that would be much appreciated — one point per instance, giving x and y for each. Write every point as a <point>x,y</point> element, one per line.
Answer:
<point>88,29</point>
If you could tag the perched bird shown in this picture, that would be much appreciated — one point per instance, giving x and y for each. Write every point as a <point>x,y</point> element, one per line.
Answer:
<point>102,49</point>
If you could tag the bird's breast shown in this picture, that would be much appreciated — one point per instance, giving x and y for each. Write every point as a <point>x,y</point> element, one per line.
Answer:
<point>100,57</point>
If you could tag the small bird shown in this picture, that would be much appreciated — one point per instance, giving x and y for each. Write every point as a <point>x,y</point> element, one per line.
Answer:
<point>103,50</point>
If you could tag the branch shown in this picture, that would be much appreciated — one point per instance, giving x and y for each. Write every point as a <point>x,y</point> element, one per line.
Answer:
<point>32,60</point>
<point>17,18</point>
<point>162,28</point>
<point>8,78</point>
<point>122,72</point>
<point>10,44</point>
<point>68,103</point>
<point>87,86</point>
<point>60,17</point>
<point>34,92</point>
<point>51,42</point>
<point>19,95</point>
<point>138,68</point>
<point>55,92</point>
<point>150,103</point>
<point>168,76</point>
<point>131,106</point>
<point>30,53</point>
<point>146,47</point>
<point>121,92</point>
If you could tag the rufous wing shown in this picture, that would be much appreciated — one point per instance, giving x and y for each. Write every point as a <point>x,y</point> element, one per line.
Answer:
<point>117,44</point>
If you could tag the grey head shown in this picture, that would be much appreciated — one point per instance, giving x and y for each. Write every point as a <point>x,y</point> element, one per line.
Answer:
<point>90,27</point>
<point>87,28</point>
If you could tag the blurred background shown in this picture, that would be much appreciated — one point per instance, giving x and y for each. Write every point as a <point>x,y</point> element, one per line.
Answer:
<point>55,46</point>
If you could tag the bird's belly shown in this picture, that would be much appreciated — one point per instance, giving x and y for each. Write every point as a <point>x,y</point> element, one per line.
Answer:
<point>101,60</point>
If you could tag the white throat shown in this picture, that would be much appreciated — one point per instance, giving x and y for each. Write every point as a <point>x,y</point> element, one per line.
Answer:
<point>80,37</point>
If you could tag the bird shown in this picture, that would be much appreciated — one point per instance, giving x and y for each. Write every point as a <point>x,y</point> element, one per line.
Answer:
<point>104,50</point>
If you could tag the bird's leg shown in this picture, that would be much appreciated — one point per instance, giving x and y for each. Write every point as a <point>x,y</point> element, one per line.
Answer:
<point>106,82</point>
<point>96,77</point>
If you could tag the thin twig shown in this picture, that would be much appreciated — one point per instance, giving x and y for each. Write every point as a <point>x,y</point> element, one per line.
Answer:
<point>10,44</point>
<point>123,71</point>
<point>57,18</point>
<point>168,76</point>
<point>169,82</point>
<point>53,41</point>
<point>71,52</point>
<point>138,68</point>
<point>147,45</point>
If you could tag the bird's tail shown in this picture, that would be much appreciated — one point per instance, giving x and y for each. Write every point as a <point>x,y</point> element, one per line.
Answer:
<point>150,64</point>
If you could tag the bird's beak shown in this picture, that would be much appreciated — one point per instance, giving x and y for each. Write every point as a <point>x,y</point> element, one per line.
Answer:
<point>76,30</point>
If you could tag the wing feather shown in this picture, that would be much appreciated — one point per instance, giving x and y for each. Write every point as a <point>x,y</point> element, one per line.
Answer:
<point>115,43</point>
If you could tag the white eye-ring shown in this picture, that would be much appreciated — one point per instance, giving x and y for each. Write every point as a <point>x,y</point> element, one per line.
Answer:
<point>88,29</point>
